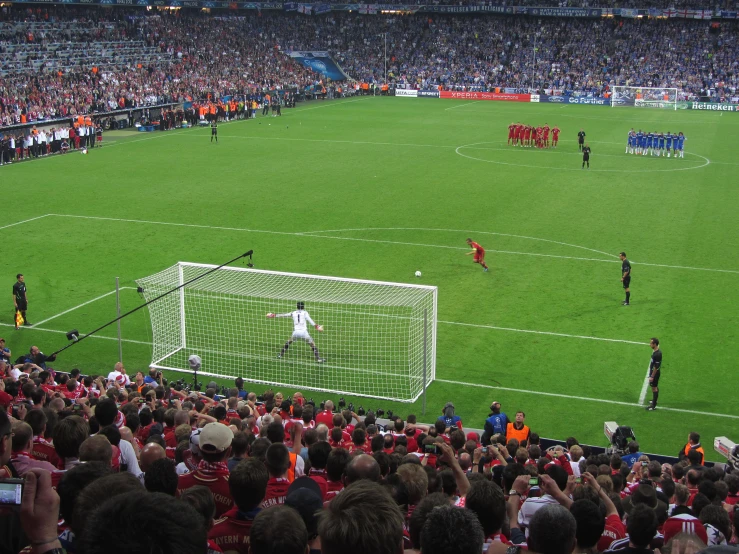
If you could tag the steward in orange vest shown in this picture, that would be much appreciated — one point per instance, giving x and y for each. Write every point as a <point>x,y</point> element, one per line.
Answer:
<point>517,430</point>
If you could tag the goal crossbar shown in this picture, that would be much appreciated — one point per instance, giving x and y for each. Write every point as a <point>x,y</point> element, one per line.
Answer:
<point>379,339</point>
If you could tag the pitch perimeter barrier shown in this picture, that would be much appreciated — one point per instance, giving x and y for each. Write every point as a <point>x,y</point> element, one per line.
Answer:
<point>458,95</point>
<point>710,106</point>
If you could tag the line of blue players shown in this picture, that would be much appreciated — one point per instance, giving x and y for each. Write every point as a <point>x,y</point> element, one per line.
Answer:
<point>655,143</point>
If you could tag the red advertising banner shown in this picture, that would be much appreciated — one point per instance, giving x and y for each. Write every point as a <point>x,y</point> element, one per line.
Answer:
<point>485,96</point>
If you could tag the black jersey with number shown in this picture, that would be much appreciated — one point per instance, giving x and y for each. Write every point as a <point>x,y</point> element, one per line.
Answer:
<point>19,291</point>
<point>625,268</point>
<point>656,362</point>
<point>581,136</point>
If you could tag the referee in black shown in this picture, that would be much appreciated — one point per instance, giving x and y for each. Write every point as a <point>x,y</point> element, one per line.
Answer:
<point>580,139</point>
<point>19,298</point>
<point>586,156</point>
<point>214,130</point>
<point>625,276</point>
<point>654,370</point>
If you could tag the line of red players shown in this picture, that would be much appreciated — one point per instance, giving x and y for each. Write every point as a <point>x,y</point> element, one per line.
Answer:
<point>528,135</point>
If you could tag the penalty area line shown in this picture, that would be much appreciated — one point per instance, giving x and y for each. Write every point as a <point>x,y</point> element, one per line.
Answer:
<point>24,221</point>
<point>81,305</point>
<point>584,398</point>
<point>550,333</point>
<point>35,328</point>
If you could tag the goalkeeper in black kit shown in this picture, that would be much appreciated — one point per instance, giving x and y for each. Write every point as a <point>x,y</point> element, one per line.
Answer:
<point>301,318</point>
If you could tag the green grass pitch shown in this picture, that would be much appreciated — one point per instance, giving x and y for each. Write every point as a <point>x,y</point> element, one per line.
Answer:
<point>377,188</point>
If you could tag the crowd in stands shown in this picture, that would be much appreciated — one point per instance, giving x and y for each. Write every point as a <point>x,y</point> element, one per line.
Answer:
<point>59,62</point>
<point>129,464</point>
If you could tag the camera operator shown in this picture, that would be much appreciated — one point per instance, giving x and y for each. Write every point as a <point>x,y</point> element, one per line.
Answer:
<point>154,377</point>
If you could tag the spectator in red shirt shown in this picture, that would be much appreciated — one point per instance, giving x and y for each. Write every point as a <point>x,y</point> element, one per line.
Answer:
<point>22,446</point>
<point>73,392</point>
<point>42,449</point>
<point>450,529</point>
<point>362,467</point>
<point>732,481</point>
<point>69,434</point>
<point>212,472</point>
<point>277,461</point>
<point>336,464</point>
<point>487,501</point>
<point>337,438</point>
<point>327,415</point>
<point>353,509</point>
<point>416,482</point>
<point>318,454</point>
<point>359,441</point>
<point>280,530</point>
<point>248,486</point>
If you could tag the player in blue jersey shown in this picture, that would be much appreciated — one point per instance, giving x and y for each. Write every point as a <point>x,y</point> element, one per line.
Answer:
<point>643,143</point>
<point>632,142</point>
<point>668,141</point>
<point>680,144</point>
<point>648,148</point>
<point>628,140</point>
<point>639,137</point>
<point>661,144</point>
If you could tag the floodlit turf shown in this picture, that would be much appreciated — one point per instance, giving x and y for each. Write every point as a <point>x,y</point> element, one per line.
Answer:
<point>378,188</point>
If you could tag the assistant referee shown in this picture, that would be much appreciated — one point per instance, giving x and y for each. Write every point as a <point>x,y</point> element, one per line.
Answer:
<point>20,300</point>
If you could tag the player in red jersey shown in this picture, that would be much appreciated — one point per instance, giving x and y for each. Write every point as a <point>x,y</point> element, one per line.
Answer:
<point>555,136</point>
<point>516,134</point>
<point>479,253</point>
<point>527,136</point>
<point>539,136</point>
<point>512,133</point>
<point>546,135</point>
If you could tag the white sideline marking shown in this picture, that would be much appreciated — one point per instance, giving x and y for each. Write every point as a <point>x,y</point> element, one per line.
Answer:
<point>542,332</point>
<point>585,398</point>
<point>644,387</point>
<point>81,305</point>
<point>471,103</point>
<point>35,328</point>
<point>309,234</point>
<point>24,221</point>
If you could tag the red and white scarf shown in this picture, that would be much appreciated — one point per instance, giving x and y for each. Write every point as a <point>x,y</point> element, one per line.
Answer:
<point>212,467</point>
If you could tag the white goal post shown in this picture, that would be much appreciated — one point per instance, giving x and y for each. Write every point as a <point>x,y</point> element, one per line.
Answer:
<point>644,97</point>
<point>378,339</point>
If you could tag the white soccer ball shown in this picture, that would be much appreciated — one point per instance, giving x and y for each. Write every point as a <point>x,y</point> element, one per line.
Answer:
<point>84,151</point>
<point>418,273</point>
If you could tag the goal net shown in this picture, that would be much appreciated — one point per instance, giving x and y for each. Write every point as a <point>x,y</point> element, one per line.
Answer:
<point>644,97</point>
<point>379,339</point>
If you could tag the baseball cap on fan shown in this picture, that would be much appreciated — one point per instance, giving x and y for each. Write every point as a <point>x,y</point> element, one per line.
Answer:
<point>215,438</point>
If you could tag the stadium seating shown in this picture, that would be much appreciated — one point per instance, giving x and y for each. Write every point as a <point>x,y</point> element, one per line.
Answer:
<point>84,62</point>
